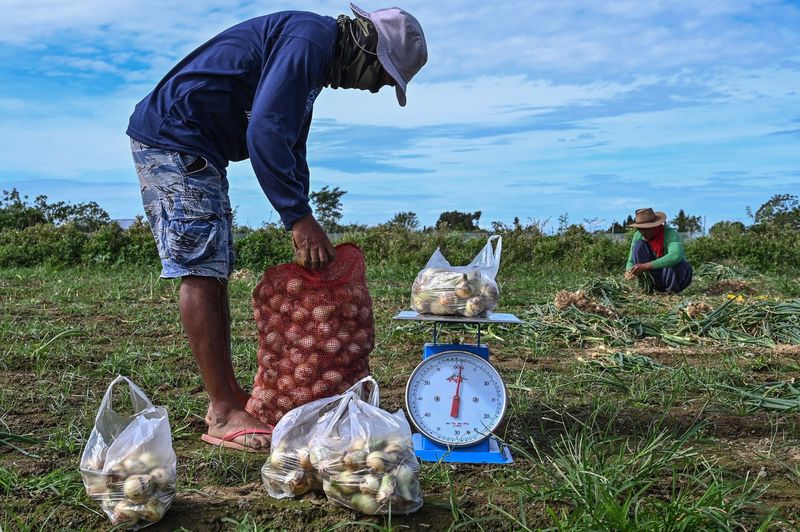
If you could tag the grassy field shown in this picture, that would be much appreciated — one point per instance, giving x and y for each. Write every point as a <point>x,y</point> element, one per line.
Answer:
<point>639,418</point>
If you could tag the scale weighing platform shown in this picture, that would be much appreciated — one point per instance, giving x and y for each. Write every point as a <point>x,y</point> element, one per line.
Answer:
<point>456,398</point>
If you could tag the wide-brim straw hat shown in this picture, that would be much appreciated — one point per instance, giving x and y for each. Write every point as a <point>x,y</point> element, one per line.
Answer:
<point>647,218</point>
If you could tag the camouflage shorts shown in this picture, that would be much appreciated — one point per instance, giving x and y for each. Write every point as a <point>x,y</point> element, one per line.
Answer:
<point>186,202</point>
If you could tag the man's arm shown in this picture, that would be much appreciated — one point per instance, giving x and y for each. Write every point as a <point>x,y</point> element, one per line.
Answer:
<point>276,138</point>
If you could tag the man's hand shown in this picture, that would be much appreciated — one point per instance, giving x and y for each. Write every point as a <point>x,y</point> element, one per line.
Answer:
<point>629,275</point>
<point>639,268</point>
<point>313,249</point>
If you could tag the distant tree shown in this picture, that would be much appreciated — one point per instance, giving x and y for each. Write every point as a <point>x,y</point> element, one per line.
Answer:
<point>617,227</point>
<point>563,223</point>
<point>328,206</point>
<point>16,213</point>
<point>459,221</point>
<point>725,228</point>
<point>781,210</point>
<point>686,224</point>
<point>404,220</point>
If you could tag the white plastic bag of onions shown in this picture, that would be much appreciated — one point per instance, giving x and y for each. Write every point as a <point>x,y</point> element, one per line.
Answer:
<point>469,290</point>
<point>128,464</point>
<point>366,457</point>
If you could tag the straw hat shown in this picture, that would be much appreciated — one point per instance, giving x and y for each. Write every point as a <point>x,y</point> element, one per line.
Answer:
<point>647,218</point>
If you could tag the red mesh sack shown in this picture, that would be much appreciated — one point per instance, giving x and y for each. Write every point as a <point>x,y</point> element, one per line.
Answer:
<point>315,333</point>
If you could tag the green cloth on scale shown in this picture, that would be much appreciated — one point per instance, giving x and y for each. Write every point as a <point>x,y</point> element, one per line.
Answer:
<point>672,244</point>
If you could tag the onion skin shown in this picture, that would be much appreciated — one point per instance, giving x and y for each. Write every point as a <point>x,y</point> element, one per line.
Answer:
<point>284,403</point>
<point>331,346</point>
<point>332,376</point>
<point>294,286</point>
<point>321,313</point>
<point>285,383</point>
<point>321,389</point>
<point>275,302</point>
<point>303,374</point>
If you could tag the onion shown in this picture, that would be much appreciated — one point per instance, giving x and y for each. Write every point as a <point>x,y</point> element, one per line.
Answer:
<point>285,383</point>
<point>304,459</point>
<point>285,367</point>
<point>153,510</point>
<point>133,466</point>
<point>303,373</point>
<point>349,310</point>
<point>268,396</point>
<point>310,301</point>
<point>349,325</point>
<point>360,336</point>
<point>343,336</point>
<point>284,403</point>
<point>275,322</point>
<point>300,396</point>
<point>313,360</point>
<point>355,460</point>
<point>124,513</point>
<point>300,315</point>
<point>326,329</point>
<point>342,295</point>
<point>297,356</point>
<point>287,307</point>
<point>310,327</point>
<point>377,461</point>
<point>293,333</point>
<point>320,389</point>
<point>321,313</point>
<point>343,387</point>
<point>347,482</point>
<point>332,376</point>
<point>306,342</point>
<point>365,503</point>
<point>370,484</point>
<point>162,477</point>
<point>364,315</point>
<point>275,302</point>
<point>274,341</point>
<point>354,349</point>
<point>331,346</point>
<point>300,485</point>
<point>265,291</point>
<point>294,286</point>
<point>271,374</point>
<point>138,488</point>
<point>356,295</point>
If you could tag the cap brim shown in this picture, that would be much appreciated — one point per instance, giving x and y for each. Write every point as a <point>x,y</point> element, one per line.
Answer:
<point>383,57</point>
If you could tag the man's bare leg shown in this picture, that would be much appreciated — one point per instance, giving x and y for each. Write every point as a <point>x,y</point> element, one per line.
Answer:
<point>224,302</point>
<point>202,316</point>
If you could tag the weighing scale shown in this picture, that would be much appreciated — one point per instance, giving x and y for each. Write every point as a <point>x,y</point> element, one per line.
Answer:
<point>456,398</point>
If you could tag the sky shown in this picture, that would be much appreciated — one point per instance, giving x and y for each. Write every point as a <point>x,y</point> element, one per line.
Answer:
<point>526,108</point>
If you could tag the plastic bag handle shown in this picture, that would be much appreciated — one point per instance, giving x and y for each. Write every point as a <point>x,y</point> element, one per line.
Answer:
<point>139,400</point>
<point>498,248</point>
<point>354,392</point>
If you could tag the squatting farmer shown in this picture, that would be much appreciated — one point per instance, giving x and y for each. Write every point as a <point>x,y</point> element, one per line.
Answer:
<point>657,257</point>
<point>249,93</point>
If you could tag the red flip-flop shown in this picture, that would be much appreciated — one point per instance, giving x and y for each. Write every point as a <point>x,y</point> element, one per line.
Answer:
<point>227,440</point>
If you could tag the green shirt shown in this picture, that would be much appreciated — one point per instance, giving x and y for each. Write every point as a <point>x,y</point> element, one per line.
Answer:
<point>672,244</point>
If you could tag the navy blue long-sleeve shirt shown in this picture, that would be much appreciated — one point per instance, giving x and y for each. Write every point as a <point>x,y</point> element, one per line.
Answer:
<point>248,92</point>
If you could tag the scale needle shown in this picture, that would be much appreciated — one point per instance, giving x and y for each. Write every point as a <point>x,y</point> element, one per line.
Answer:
<point>456,398</point>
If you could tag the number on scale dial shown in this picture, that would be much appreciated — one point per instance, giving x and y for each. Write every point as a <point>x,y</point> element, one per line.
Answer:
<point>456,398</point>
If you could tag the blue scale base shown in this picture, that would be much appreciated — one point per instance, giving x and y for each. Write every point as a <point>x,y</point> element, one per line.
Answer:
<point>486,452</point>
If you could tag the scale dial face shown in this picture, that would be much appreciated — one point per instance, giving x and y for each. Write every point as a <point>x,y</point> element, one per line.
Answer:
<point>456,398</point>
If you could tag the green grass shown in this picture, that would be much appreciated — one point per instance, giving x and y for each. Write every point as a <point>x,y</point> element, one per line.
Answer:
<point>611,428</point>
